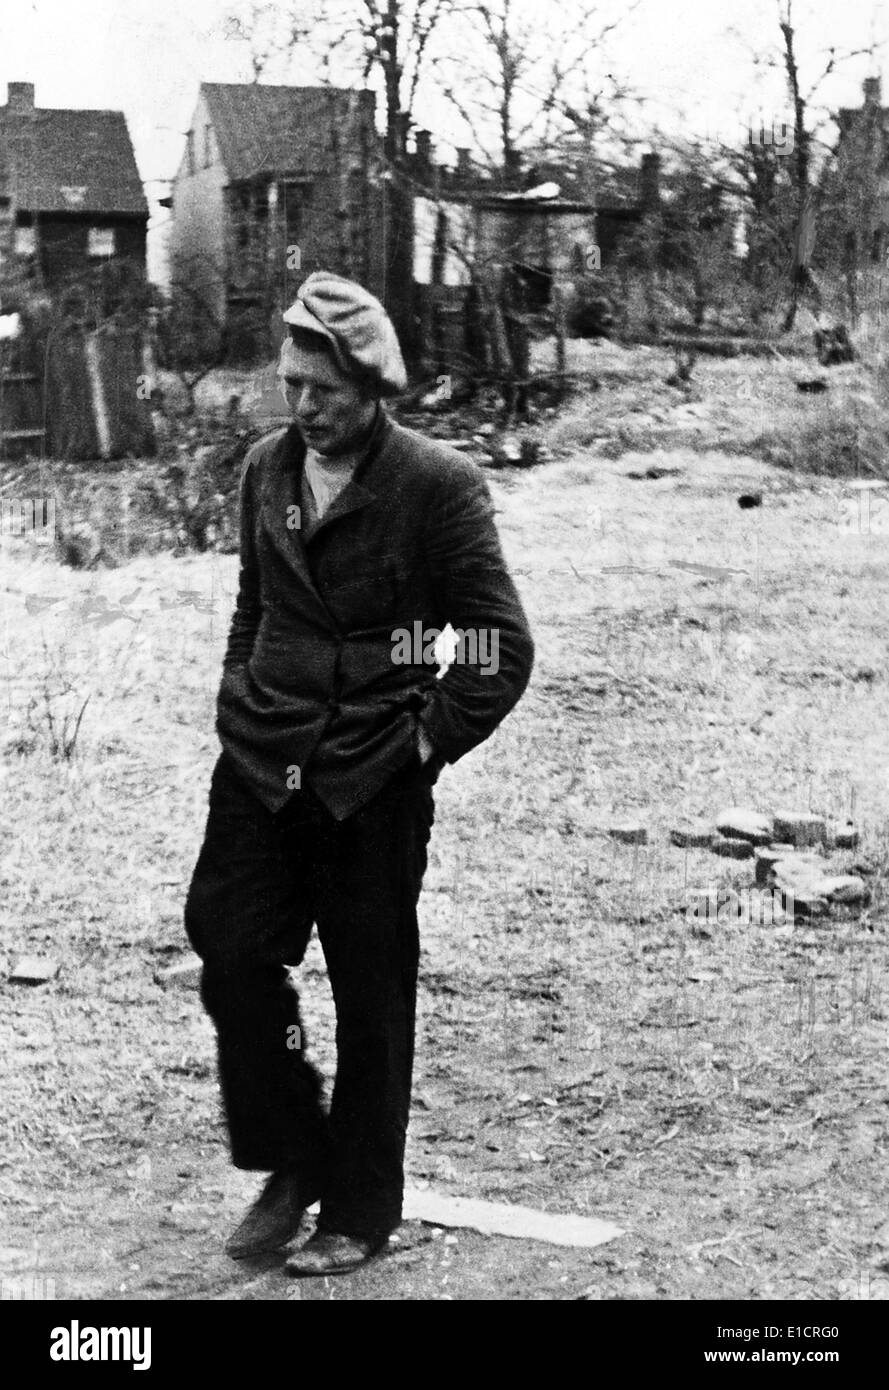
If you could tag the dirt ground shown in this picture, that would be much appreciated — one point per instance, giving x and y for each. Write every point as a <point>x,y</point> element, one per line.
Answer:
<point>719,1093</point>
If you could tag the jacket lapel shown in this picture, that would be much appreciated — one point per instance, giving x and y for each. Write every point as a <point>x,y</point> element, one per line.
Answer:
<point>283,490</point>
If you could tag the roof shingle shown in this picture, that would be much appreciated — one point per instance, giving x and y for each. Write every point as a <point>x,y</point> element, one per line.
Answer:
<point>282,129</point>
<point>70,161</point>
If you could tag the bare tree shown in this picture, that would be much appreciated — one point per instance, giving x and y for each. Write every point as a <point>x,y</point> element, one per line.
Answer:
<point>802,165</point>
<point>801,277</point>
<point>854,236</point>
<point>271,33</point>
<point>522,98</point>
<point>762,187</point>
<point>535,112</point>
<point>360,41</point>
<point>397,34</point>
<point>193,334</point>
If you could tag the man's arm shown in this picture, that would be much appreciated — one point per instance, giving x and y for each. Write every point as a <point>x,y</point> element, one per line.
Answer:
<point>245,620</point>
<point>475,593</point>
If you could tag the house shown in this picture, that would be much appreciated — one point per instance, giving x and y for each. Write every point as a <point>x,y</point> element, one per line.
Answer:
<point>554,231</point>
<point>538,233</point>
<point>554,228</point>
<point>70,193</point>
<point>862,169</point>
<point>275,182</point>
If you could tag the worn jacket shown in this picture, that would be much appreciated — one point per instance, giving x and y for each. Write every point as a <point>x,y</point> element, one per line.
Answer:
<point>311,691</point>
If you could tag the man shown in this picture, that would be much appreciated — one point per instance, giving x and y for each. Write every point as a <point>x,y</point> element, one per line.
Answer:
<point>321,803</point>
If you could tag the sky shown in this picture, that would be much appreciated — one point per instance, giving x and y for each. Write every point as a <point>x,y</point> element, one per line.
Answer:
<point>689,61</point>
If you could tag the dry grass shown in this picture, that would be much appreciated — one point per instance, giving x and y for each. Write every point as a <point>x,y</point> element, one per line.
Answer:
<point>746,406</point>
<point>721,1097</point>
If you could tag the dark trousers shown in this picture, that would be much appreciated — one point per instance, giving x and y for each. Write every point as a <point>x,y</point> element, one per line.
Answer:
<point>262,880</point>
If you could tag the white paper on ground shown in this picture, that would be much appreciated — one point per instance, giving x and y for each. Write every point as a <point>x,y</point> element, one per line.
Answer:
<point>498,1219</point>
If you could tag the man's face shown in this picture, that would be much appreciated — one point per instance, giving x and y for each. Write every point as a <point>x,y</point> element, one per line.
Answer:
<point>331,410</point>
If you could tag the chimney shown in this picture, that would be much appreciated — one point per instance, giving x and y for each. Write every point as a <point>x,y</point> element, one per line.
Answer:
<point>872,91</point>
<point>423,143</point>
<point>20,98</point>
<point>650,182</point>
<point>464,169</point>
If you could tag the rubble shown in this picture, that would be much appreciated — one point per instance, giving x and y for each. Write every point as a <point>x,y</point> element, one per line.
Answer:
<point>844,836</point>
<point>739,823</point>
<point>790,851</point>
<point>766,859</point>
<point>799,828</point>
<point>805,901</point>
<point>630,833</point>
<point>512,450</point>
<point>692,835</point>
<point>832,345</point>
<point>848,888</point>
<point>840,888</point>
<point>731,847</point>
<point>185,974</point>
<point>34,970</point>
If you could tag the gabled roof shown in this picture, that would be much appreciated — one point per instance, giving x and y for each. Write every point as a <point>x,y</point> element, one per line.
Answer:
<point>282,129</point>
<point>69,161</point>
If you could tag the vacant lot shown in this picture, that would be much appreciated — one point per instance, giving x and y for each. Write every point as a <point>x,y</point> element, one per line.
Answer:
<point>720,1094</point>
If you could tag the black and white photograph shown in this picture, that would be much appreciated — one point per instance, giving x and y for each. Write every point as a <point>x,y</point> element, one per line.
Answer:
<point>444,767</point>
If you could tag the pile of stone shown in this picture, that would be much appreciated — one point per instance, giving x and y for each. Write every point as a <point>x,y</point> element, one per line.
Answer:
<point>789,850</point>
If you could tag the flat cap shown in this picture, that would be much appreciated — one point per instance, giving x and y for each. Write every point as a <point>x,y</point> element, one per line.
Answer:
<point>356,326</point>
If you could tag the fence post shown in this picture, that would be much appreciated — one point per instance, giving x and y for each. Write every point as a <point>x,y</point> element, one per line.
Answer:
<point>97,394</point>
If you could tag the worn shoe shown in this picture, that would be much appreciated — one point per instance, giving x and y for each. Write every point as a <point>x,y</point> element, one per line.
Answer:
<point>273,1219</point>
<point>328,1252</point>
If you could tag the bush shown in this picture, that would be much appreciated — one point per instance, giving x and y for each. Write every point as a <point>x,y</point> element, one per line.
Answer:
<point>834,444</point>
<point>185,501</point>
<point>591,313</point>
<point>194,493</point>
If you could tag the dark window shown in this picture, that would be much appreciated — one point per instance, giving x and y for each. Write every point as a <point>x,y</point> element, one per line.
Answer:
<point>296,198</point>
<point>241,213</point>
<point>537,283</point>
